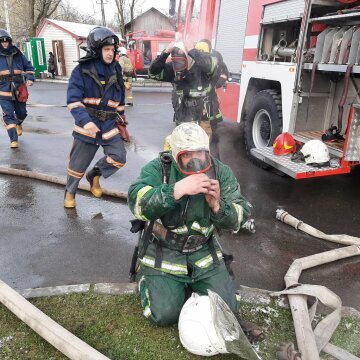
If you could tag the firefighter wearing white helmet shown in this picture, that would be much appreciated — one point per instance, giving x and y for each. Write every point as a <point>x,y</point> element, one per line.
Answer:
<point>315,153</point>
<point>128,73</point>
<point>187,200</point>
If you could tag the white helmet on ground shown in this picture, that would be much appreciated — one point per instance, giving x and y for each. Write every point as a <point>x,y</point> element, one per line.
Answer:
<point>315,152</point>
<point>196,328</point>
<point>122,50</point>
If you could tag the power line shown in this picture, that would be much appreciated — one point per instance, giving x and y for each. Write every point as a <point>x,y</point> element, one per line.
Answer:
<point>102,2</point>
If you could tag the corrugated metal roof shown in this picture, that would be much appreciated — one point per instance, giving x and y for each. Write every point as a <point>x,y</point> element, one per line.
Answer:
<point>78,29</point>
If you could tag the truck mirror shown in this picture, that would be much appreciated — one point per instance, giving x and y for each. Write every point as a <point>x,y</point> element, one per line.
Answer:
<point>172,6</point>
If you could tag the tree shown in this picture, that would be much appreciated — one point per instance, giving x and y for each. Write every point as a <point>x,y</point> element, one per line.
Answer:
<point>66,12</point>
<point>40,10</point>
<point>127,10</point>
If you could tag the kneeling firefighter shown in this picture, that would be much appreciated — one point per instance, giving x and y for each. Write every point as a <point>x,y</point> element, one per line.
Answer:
<point>95,98</point>
<point>185,197</point>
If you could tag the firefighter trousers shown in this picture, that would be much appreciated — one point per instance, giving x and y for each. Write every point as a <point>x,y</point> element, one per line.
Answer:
<point>129,99</point>
<point>163,296</point>
<point>14,113</point>
<point>81,155</point>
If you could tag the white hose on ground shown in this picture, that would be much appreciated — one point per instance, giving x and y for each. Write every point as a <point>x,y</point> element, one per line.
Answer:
<point>52,332</point>
<point>310,342</point>
<point>57,180</point>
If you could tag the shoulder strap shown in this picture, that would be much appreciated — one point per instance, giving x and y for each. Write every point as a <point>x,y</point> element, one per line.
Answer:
<point>93,74</point>
<point>9,61</point>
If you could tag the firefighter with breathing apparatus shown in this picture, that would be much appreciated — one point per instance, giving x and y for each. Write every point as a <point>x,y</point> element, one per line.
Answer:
<point>184,197</point>
<point>191,73</point>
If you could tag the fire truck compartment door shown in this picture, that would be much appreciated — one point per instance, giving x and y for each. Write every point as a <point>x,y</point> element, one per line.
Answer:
<point>283,11</point>
<point>230,37</point>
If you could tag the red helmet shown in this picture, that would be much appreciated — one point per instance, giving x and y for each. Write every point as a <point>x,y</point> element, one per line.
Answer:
<point>284,144</point>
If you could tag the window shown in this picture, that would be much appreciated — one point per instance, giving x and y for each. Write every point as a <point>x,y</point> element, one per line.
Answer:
<point>196,10</point>
<point>182,8</point>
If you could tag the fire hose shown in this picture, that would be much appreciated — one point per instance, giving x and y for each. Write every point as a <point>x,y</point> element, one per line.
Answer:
<point>57,180</point>
<point>311,342</point>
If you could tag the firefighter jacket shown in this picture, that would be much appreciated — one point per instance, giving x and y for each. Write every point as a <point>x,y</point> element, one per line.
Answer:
<point>191,97</point>
<point>151,199</point>
<point>126,66</point>
<point>15,69</point>
<point>100,87</point>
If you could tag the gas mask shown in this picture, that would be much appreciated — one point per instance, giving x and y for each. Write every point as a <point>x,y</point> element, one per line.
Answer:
<point>194,162</point>
<point>179,63</point>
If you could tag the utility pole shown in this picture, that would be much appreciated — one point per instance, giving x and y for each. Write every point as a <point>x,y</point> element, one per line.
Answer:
<point>7,16</point>
<point>103,12</point>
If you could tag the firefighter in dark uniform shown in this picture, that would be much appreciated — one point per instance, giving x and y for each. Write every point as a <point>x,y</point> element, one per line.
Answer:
<point>95,97</point>
<point>218,81</point>
<point>16,72</point>
<point>191,74</point>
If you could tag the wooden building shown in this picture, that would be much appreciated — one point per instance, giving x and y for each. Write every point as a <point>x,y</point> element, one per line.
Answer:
<point>64,40</point>
<point>151,21</point>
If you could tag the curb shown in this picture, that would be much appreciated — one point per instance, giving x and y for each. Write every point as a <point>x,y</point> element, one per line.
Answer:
<point>248,295</point>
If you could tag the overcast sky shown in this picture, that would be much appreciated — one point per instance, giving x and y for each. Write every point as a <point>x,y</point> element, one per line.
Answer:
<point>93,7</point>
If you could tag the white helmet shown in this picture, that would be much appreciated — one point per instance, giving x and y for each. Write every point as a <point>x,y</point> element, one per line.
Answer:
<point>196,328</point>
<point>315,152</point>
<point>188,137</point>
<point>122,50</point>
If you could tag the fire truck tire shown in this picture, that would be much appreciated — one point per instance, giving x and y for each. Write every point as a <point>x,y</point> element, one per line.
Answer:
<point>264,122</point>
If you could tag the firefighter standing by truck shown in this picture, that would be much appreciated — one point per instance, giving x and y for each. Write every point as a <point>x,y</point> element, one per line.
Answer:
<point>191,73</point>
<point>218,81</point>
<point>128,73</point>
<point>199,194</point>
<point>16,72</point>
<point>95,97</point>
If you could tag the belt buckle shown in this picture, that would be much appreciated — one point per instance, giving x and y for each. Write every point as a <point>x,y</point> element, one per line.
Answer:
<point>189,242</point>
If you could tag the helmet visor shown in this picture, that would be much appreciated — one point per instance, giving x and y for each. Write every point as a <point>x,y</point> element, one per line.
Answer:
<point>179,63</point>
<point>193,162</point>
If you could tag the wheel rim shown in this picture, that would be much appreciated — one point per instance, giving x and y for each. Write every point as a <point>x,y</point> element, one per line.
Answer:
<point>261,130</point>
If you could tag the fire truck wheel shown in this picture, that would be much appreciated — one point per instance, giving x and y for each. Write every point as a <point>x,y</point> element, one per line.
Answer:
<point>264,122</point>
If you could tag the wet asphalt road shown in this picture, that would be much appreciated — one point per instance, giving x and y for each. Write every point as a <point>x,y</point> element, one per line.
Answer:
<point>42,244</point>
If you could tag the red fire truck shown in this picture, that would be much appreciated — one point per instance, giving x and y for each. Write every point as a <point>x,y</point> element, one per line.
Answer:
<point>143,48</point>
<point>295,67</point>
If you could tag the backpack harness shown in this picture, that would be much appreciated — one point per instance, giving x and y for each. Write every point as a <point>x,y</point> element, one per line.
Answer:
<point>150,233</point>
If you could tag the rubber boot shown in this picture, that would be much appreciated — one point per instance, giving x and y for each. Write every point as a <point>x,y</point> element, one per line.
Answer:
<point>14,144</point>
<point>69,201</point>
<point>19,129</point>
<point>93,177</point>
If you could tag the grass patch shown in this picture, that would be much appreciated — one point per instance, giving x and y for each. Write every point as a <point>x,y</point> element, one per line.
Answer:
<point>115,326</point>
